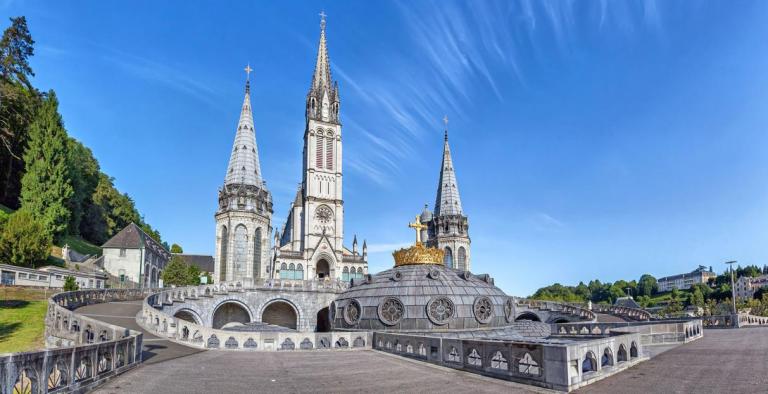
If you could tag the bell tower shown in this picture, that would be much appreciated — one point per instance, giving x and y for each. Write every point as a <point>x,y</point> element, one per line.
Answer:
<point>322,179</point>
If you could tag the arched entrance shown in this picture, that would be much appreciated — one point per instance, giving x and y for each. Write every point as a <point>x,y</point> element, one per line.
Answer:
<point>528,316</point>
<point>230,312</point>
<point>280,313</point>
<point>323,269</point>
<point>187,315</point>
<point>323,320</point>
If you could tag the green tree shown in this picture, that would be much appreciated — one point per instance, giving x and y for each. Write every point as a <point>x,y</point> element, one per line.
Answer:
<point>647,285</point>
<point>18,103</point>
<point>177,272</point>
<point>70,284</point>
<point>24,241</point>
<point>84,172</point>
<point>697,297</point>
<point>176,248</point>
<point>46,186</point>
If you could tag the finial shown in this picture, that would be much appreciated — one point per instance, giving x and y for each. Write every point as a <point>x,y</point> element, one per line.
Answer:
<point>248,70</point>
<point>445,120</point>
<point>322,19</point>
<point>416,225</point>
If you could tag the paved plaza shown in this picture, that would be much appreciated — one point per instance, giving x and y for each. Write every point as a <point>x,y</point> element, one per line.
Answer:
<point>723,361</point>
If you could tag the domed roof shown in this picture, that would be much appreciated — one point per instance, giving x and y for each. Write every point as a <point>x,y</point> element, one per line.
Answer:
<point>426,214</point>
<point>422,298</point>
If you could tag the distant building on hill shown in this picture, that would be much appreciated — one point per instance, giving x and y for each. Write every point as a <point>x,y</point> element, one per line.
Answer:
<point>685,281</point>
<point>746,286</point>
<point>133,256</point>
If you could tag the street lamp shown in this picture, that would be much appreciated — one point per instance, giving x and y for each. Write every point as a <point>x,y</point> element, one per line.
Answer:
<point>733,287</point>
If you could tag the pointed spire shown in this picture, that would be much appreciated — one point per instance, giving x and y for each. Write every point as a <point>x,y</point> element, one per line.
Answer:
<point>447,201</point>
<point>322,75</point>
<point>244,167</point>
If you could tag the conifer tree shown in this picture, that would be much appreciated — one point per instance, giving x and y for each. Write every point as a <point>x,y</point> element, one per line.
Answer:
<point>46,186</point>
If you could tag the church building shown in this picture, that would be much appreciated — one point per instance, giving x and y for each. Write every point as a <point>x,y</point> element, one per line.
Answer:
<point>311,242</point>
<point>448,227</point>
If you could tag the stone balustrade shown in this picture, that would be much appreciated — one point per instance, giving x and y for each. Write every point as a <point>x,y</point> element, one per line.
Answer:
<point>623,311</point>
<point>162,324</point>
<point>564,308</point>
<point>652,333</point>
<point>733,321</point>
<point>82,351</point>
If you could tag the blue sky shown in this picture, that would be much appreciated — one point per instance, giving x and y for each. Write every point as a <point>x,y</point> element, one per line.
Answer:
<point>601,139</point>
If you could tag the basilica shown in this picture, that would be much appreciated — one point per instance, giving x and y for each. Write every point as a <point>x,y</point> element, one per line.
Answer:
<point>310,244</point>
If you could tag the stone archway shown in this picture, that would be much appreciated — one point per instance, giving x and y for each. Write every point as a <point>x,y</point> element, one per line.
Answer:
<point>280,313</point>
<point>188,315</point>
<point>528,316</point>
<point>323,320</point>
<point>230,312</point>
<point>322,269</point>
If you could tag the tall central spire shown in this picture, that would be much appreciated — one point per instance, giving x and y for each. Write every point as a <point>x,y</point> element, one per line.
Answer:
<point>322,76</point>
<point>447,201</point>
<point>323,96</point>
<point>244,165</point>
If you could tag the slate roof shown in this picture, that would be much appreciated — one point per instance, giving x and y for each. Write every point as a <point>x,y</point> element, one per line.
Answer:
<point>133,237</point>
<point>204,262</point>
<point>447,201</point>
<point>627,302</point>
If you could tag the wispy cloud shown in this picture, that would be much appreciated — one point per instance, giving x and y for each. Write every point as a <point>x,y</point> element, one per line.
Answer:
<point>544,222</point>
<point>163,73</point>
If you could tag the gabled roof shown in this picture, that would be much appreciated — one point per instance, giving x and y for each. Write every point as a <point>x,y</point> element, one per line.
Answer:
<point>133,237</point>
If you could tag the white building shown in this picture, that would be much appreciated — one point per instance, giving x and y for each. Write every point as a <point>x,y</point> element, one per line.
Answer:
<point>745,287</point>
<point>50,276</point>
<point>685,281</point>
<point>134,256</point>
<point>311,242</point>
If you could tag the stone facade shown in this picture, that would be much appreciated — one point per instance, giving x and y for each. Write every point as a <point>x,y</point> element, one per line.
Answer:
<point>684,281</point>
<point>311,242</point>
<point>244,217</point>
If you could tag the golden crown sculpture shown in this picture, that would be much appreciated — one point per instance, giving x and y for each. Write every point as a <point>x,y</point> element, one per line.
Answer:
<point>418,253</point>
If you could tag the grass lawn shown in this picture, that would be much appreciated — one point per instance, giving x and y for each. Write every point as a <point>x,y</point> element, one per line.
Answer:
<point>81,246</point>
<point>22,319</point>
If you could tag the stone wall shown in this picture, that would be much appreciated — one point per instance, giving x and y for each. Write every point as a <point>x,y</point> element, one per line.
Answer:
<point>156,317</point>
<point>87,351</point>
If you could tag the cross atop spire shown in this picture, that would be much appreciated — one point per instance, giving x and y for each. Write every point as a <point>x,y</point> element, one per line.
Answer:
<point>248,70</point>
<point>322,19</point>
<point>445,120</point>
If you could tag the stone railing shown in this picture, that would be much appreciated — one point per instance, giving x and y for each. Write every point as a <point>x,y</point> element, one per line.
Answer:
<point>83,351</point>
<point>559,366</point>
<point>554,306</point>
<point>652,333</point>
<point>730,321</point>
<point>180,293</point>
<point>623,311</point>
<point>159,323</point>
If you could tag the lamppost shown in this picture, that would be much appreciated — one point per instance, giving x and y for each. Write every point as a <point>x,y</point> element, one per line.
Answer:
<point>733,292</point>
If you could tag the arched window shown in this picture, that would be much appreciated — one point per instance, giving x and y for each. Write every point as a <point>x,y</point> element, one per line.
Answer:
<point>257,254</point>
<point>448,258</point>
<point>283,271</point>
<point>621,355</point>
<point>329,153</point>
<point>319,151</point>
<point>589,364</point>
<point>291,271</point>
<point>633,350</point>
<point>241,248</point>
<point>462,259</point>
<point>345,274</point>
<point>300,272</point>
<point>223,255</point>
<point>528,366</point>
<point>360,272</point>
<point>607,358</point>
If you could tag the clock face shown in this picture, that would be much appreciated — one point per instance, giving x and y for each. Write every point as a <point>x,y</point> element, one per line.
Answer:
<point>324,214</point>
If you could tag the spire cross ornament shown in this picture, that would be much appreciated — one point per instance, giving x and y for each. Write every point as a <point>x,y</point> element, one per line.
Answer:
<point>418,226</point>
<point>322,19</point>
<point>445,120</point>
<point>248,70</point>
